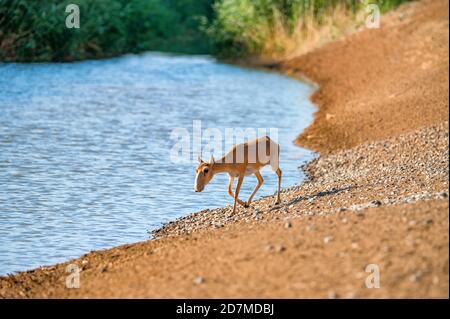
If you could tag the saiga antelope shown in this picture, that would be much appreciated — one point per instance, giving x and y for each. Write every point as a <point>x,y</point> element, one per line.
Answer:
<point>242,160</point>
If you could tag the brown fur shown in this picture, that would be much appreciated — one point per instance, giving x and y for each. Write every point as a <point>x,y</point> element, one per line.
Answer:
<point>242,160</point>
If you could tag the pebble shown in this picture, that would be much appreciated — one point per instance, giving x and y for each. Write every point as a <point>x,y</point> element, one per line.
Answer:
<point>328,239</point>
<point>107,267</point>
<point>414,278</point>
<point>378,169</point>
<point>199,280</point>
<point>280,248</point>
<point>376,203</point>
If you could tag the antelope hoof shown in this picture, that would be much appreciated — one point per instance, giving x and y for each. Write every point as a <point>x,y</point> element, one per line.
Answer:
<point>243,204</point>
<point>246,204</point>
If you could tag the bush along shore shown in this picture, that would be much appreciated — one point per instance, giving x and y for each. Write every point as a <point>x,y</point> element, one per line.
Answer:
<point>270,29</point>
<point>376,198</point>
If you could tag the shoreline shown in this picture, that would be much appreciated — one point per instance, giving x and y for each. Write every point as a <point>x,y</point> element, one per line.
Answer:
<point>334,127</point>
<point>365,180</point>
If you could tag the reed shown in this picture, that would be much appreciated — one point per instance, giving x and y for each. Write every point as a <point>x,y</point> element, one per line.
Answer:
<point>279,29</point>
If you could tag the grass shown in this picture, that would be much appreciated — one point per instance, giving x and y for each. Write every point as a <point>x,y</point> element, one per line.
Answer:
<point>279,29</point>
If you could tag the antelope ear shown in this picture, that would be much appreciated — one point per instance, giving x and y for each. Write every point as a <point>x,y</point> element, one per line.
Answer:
<point>211,161</point>
<point>200,160</point>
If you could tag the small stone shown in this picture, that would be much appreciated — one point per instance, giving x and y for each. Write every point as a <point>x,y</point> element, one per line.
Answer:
<point>415,277</point>
<point>280,248</point>
<point>287,224</point>
<point>355,245</point>
<point>344,220</point>
<point>107,267</point>
<point>328,239</point>
<point>376,203</point>
<point>199,280</point>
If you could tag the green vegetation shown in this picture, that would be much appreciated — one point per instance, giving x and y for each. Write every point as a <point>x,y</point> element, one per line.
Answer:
<point>279,28</point>
<point>33,30</point>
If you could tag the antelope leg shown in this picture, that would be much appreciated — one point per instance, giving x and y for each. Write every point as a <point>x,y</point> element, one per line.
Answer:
<point>236,192</point>
<point>260,182</point>
<point>230,190</point>
<point>278,172</point>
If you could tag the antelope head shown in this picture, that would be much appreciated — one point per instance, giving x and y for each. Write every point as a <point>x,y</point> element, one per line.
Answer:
<point>204,174</point>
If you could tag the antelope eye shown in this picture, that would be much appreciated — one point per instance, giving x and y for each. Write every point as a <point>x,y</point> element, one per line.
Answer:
<point>205,171</point>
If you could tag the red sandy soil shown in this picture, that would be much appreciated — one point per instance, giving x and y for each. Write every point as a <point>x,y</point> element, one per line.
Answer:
<point>380,82</point>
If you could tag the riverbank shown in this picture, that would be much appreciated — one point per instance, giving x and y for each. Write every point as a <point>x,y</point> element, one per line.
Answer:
<point>377,195</point>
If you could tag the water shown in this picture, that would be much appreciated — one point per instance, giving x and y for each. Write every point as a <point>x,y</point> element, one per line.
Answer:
<point>84,147</point>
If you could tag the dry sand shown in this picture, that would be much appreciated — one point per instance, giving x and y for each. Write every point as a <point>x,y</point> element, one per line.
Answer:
<point>377,195</point>
<point>381,82</point>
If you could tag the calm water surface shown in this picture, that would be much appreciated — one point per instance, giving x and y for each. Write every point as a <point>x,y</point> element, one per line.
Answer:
<point>84,147</point>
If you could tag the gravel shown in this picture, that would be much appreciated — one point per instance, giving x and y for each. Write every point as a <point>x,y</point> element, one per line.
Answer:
<point>405,169</point>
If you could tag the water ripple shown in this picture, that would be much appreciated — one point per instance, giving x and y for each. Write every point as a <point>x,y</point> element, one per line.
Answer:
<point>84,147</point>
